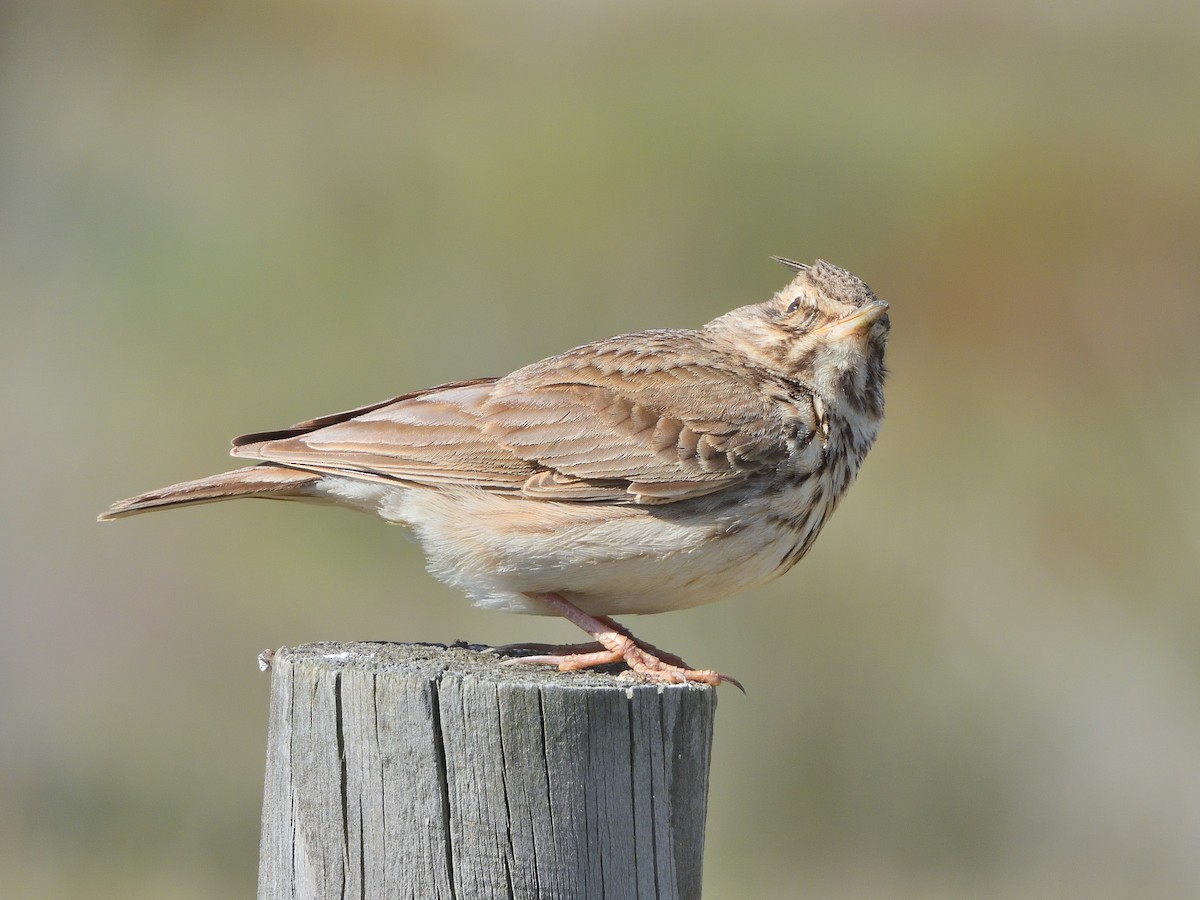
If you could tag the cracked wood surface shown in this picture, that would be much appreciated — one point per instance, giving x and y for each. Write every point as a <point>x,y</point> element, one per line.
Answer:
<point>411,770</point>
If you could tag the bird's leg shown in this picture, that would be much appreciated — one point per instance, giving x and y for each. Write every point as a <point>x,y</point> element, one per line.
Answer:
<point>545,651</point>
<point>619,646</point>
<point>663,655</point>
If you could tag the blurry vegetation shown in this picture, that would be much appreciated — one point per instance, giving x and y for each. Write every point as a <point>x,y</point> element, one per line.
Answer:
<point>220,217</point>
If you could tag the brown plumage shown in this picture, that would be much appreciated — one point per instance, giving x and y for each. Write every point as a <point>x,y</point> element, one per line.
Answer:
<point>643,473</point>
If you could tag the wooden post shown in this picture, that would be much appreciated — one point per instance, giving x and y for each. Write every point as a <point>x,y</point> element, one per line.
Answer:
<point>408,770</point>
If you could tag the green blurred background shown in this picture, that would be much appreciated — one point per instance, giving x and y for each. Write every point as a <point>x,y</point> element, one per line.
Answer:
<point>227,216</point>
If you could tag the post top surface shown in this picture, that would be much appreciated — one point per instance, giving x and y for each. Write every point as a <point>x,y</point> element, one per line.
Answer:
<point>458,660</point>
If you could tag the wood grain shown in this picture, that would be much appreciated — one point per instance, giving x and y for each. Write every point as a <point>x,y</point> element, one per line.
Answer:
<point>405,770</point>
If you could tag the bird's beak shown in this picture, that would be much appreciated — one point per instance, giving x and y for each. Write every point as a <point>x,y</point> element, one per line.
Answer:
<point>858,322</point>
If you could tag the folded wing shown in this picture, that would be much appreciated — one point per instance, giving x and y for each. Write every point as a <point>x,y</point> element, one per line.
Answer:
<point>596,424</point>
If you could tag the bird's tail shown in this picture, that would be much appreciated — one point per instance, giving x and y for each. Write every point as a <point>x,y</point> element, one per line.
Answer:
<point>275,482</point>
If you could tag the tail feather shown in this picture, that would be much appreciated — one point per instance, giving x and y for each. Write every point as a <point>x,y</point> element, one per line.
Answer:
<point>253,481</point>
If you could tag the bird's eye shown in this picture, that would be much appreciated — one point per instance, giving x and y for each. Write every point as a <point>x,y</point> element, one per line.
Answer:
<point>810,313</point>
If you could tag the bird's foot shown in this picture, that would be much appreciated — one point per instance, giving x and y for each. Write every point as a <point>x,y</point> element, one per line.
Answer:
<point>615,644</point>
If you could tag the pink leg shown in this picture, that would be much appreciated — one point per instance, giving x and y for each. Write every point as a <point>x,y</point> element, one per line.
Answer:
<point>620,646</point>
<point>663,655</point>
<point>558,650</point>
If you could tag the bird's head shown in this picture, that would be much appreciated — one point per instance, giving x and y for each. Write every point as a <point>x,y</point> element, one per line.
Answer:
<point>825,328</point>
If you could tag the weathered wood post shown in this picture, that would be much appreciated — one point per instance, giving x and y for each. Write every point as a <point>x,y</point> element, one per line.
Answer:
<point>402,770</point>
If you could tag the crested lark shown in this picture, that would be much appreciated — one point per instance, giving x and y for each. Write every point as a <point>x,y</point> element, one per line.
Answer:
<point>645,473</point>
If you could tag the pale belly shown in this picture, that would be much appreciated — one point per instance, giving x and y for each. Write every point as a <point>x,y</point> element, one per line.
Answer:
<point>609,560</point>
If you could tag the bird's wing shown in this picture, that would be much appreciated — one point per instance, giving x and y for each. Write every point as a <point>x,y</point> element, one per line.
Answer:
<point>650,418</point>
<point>431,437</point>
<point>667,415</point>
<point>308,425</point>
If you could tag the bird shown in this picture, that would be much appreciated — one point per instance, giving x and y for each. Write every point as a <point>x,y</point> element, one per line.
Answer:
<point>645,473</point>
